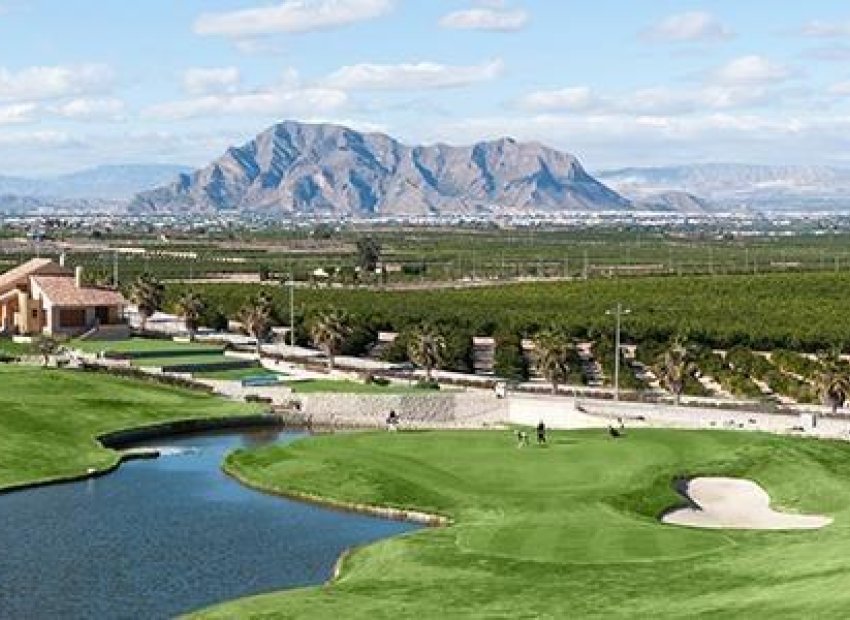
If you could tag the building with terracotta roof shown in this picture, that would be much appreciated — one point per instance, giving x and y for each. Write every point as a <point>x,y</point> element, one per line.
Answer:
<point>44,297</point>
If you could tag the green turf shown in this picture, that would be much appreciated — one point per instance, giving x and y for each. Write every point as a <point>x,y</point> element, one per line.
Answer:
<point>568,531</point>
<point>49,418</point>
<point>141,345</point>
<point>330,386</point>
<point>187,360</point>
<point>236,374</point>
<point>14,349</point>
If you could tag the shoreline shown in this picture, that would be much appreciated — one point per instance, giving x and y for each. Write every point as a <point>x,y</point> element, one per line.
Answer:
<point>419,517</point>
<point>118,442</point>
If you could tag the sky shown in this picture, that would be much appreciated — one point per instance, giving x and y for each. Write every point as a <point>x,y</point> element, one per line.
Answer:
<point>616,82</point>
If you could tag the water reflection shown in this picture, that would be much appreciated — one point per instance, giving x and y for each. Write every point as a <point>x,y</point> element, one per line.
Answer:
<point>161,537</point>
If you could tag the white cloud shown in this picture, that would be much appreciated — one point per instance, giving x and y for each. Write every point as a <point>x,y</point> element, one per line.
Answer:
<point>574,98</point>
<point>56,82</point>
<point>17,113</point>
<point>37,139</point>
<point>109,109</point>
<point>646,101</point>
<point>411,76</point>
<point>210,81</point>
<point>486,18</point>
<point>818,29</point>
<point>291,16</point>
<point>688,27</point>
<point>613,139</point>
<point>278,103</point>
<point>750,70</point>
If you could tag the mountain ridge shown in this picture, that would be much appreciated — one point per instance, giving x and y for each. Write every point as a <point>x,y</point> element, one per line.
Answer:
<point>311,169</point>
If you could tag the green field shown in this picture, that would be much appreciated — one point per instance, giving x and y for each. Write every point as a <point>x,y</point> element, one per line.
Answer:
<point>457,253</point>
<point>236,374</point>
<point>144,346</point>
<point>49,418</point>
<point>567,531</point>
<point>721,311</point>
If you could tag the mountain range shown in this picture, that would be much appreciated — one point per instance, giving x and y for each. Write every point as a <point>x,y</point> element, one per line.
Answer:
<point>100,183</point>
<point>332,171</point>
<point>739,187</point>
<point>323,169</point>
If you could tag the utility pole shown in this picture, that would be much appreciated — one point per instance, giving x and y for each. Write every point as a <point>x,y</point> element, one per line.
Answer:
<point>291,284</point>
<point>586,266</point>
<point>618,313</point>
<point>115,269</point>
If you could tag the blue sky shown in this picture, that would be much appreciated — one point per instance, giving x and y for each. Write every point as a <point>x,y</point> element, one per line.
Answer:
<point>617,82</point>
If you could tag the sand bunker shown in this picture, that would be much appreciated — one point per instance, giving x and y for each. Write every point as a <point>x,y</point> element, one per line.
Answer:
<point>729,503</point>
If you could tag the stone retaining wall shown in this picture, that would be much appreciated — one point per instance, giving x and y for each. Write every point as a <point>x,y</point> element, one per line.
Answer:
<point>448,410</point>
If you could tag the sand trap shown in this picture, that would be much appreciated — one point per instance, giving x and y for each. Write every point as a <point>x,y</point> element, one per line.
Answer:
<point>730,503</point>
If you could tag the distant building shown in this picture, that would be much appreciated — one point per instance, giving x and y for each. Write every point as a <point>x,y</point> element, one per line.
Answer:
<point>44,297</point>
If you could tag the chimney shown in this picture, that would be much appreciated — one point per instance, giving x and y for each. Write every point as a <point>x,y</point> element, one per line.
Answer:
<point>62,259</point>
<point>78,276</point>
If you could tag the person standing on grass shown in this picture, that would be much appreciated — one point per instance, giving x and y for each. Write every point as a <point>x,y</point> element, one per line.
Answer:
<point>392,421</point>
<point>541,434</point>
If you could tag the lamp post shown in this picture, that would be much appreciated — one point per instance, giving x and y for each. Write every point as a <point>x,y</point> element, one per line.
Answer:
<point>291,284</point>
<point>618,313</point>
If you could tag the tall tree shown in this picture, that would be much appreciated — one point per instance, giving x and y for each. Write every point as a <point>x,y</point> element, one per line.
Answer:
<point>147,293</point>
<point>674,368</point>
<point>256,320</point>
<point>552,354</point>
<point>427,349</point>
<point>368,254</point>
<point>833,382</point>
<point>190,307</point>
<point>329,332</point>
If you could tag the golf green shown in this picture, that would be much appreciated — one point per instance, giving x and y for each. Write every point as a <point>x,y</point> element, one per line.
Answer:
<point>568,530</point>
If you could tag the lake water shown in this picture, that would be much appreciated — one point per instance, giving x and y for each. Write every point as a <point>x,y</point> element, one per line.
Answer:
<point>162,537</point>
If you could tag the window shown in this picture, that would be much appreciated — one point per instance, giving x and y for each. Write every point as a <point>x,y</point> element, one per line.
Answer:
<point>35,313</point>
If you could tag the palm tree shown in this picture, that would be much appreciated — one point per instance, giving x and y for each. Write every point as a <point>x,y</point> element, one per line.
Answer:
<point>675,366</point>
<point>427,348</point>
<point>46,347</point>
<point>329,332</point>
<point>833,383</point>
<point>190,306</point>
<point>147,293</point>
<point>553,350</point>
<point>256,319</point>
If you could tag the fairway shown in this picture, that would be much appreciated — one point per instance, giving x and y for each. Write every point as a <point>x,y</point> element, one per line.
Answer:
<point>570,530</point>
<point>49,419</point>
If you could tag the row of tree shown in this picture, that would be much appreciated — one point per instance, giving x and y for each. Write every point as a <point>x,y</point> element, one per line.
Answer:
<point>429,347</point>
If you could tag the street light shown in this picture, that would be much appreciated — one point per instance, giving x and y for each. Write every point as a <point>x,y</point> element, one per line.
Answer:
<point>291,284</point>
<point>619,312</point>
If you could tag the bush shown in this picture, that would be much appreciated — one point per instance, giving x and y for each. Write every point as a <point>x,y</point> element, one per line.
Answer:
<point>509,361</point>
<point>424,384</point>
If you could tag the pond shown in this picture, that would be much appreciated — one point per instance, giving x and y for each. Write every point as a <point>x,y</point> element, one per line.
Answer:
<point>162,537</point>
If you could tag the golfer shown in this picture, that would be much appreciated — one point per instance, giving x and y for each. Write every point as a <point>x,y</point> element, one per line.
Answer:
<point>541,434</point>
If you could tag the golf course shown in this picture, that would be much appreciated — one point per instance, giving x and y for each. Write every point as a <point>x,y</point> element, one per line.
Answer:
<point>567,530</point>
<point>50,419</point>
<point>570,529</point>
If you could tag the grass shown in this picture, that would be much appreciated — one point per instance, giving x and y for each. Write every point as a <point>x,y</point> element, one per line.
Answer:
<point>187,360</point>
<point>49,418</point>
<point>142,345</point>
<point>566,531</point>
<point>237,374</point>
<point>14,349</point>
<point>330,386</point>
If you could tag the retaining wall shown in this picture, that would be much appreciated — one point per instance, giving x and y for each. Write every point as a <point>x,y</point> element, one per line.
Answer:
<point>448,410</point>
